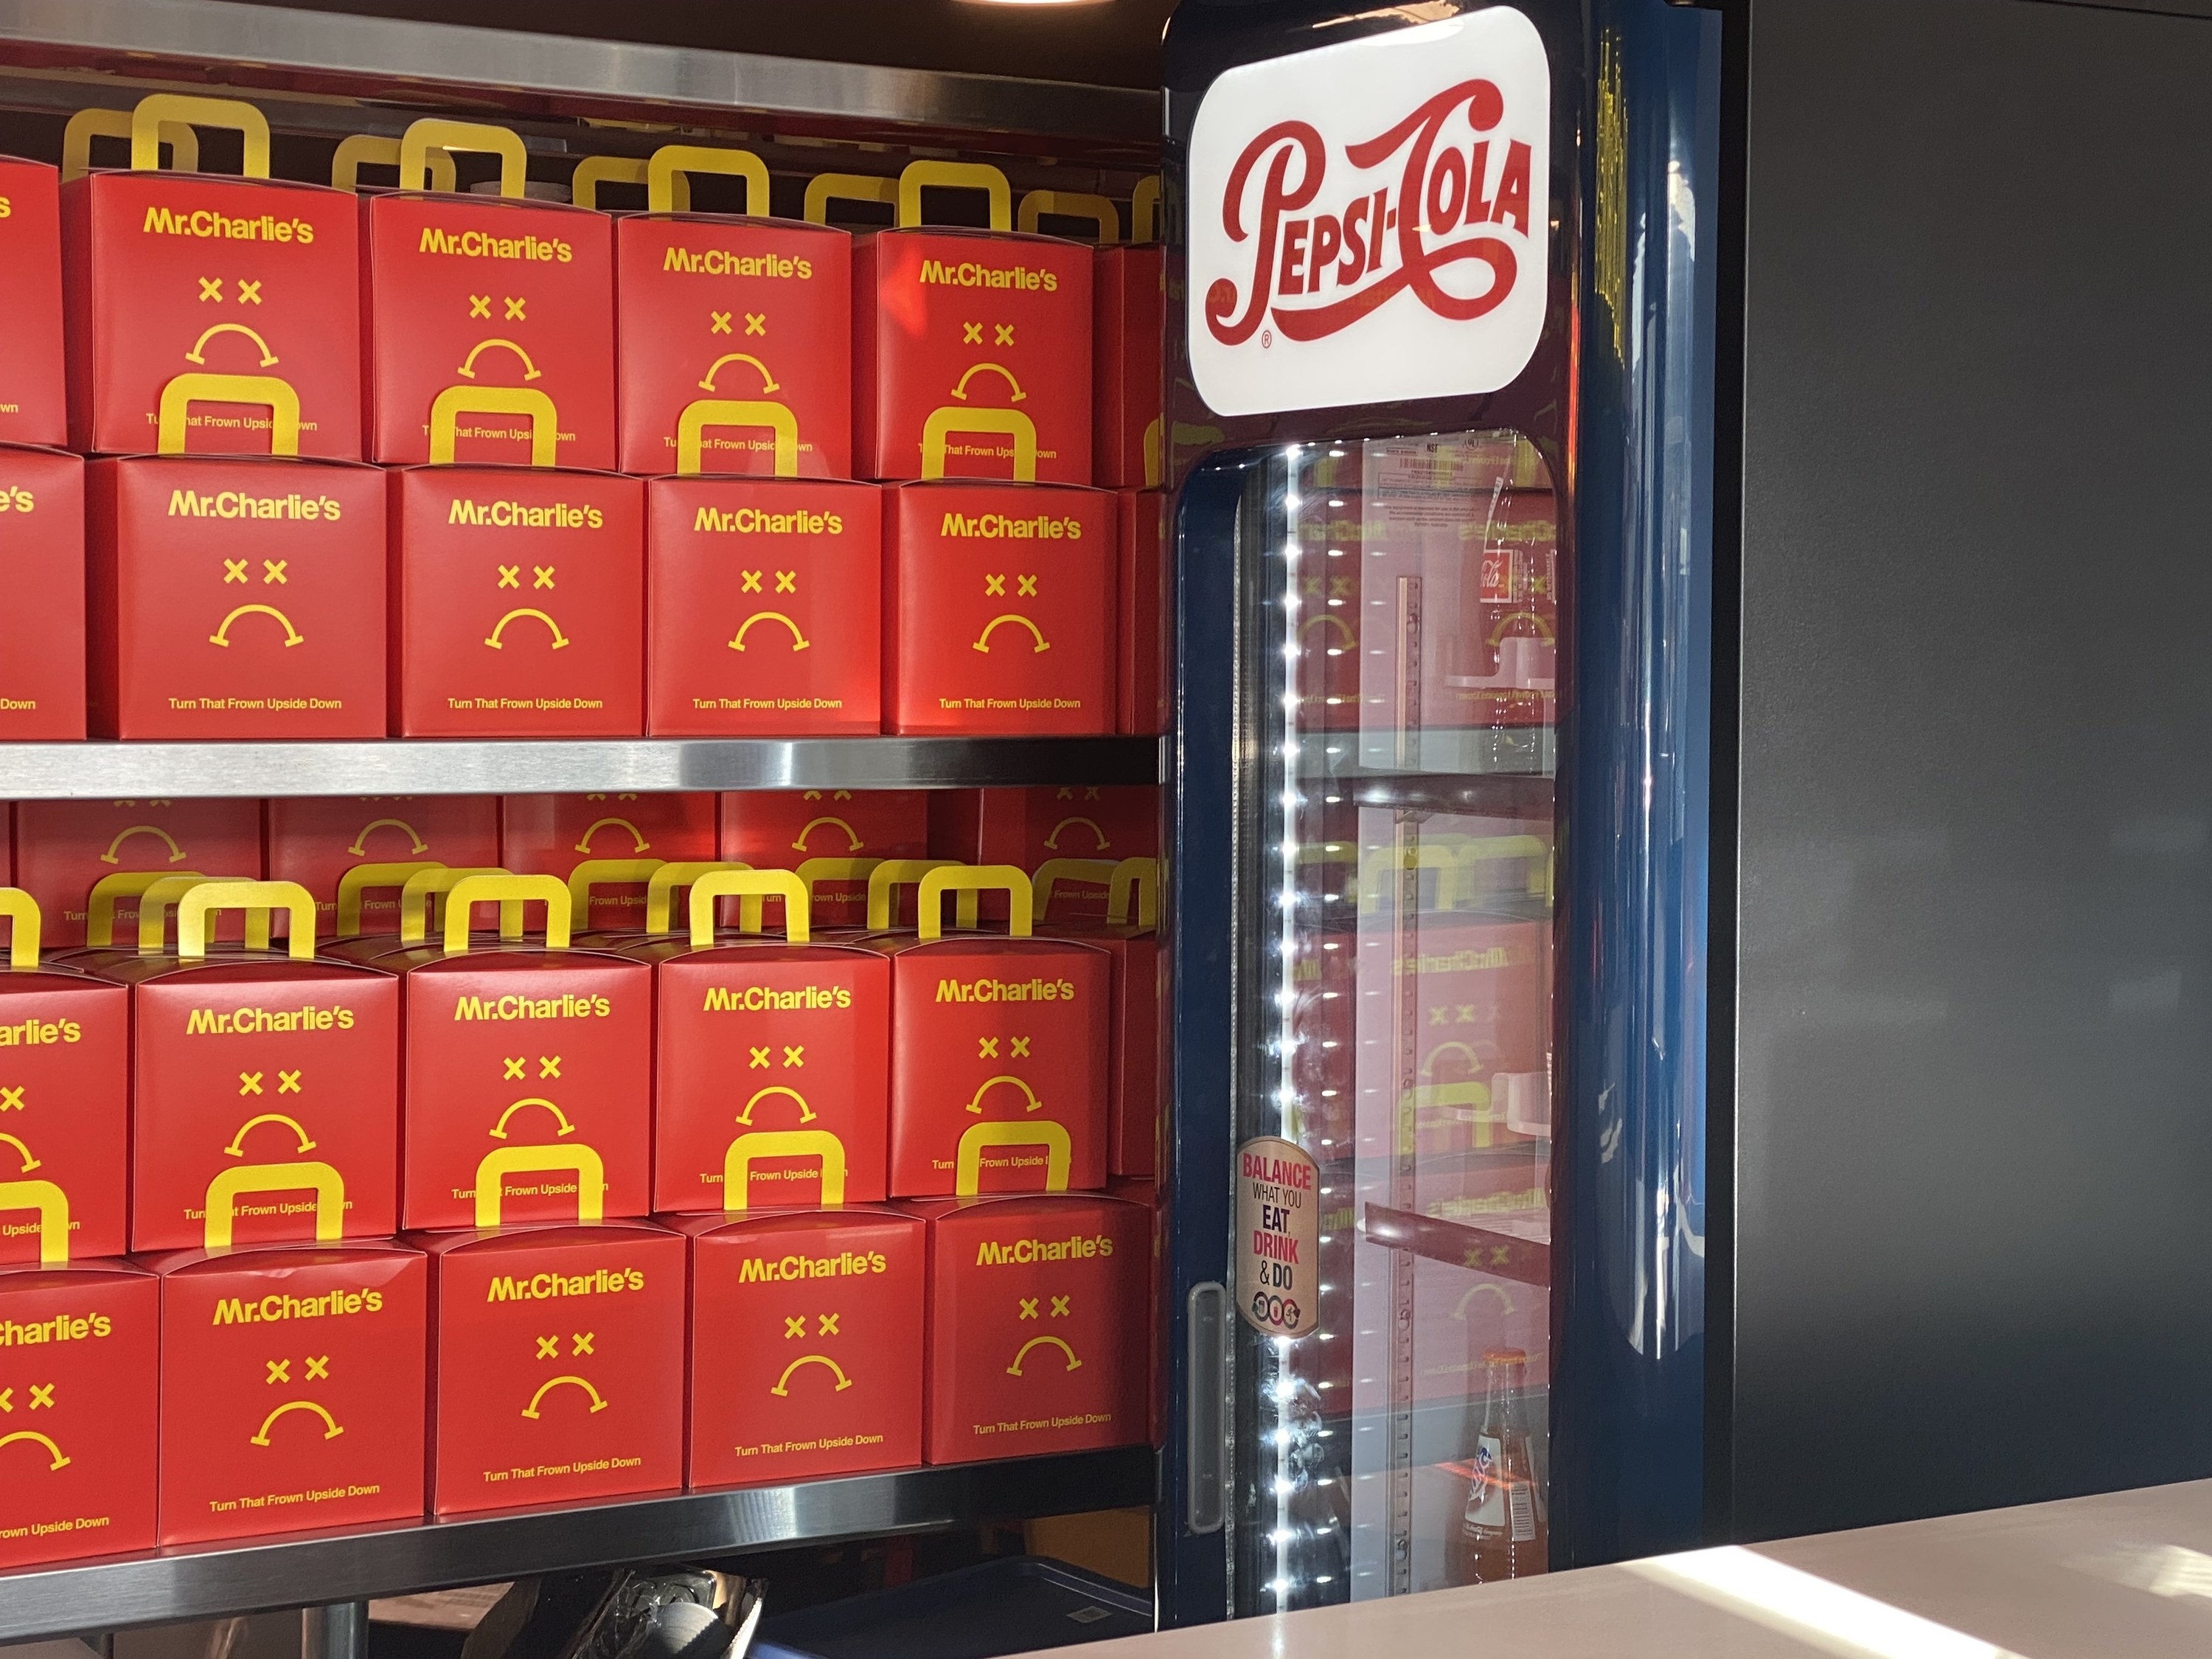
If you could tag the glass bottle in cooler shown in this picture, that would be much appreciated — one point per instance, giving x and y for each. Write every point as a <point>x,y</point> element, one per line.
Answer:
<point>1502,1533</point>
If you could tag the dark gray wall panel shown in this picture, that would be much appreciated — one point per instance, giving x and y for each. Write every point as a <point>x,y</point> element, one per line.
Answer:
<point>1974,1068</point>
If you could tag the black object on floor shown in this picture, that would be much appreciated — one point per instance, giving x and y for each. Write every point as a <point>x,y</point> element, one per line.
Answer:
<point>1013,1605</point>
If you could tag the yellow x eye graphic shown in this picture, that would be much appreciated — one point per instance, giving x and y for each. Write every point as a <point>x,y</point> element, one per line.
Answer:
<point>986,1047</point>
<point>42,1394</point>
<point>11,1100</point>
<point>760,1059</point>
<point>581,1342</point>
<point>995,584</point>
<point>514,310</point>
<point>786,581</point>
<point>280,1370</point>
<point>249,293</point>
<point>794,1056</point>
<point>272,570</point>
<point>1002,333</point>
<point>549,1064</point>
<point>514,1065</point>
<point>318,1367</point>
<point>718,322</point>
<point>233,570</point>
<point>793,1325</point>
<point>1025,584</point>
<point>749,581</point>
<point>971,333</point>
<point>1028,1307</point>
<point>249,1083</point>
<point>548,1348</point>
<point>541,575</point>
<point>288,1083</point>
<point>1059,1310</point>
<point>510,576</point>
<point>1021,1048</point>
<point>479,305</point>
<point>211,288</point>
<point>755,322</point>
<point>829,1322</point>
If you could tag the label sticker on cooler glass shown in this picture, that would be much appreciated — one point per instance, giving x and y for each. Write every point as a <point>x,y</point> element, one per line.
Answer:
<point>1278,1237</point>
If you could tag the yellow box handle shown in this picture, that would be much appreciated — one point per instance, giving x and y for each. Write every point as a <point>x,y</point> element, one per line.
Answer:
<point>891,875</point>
<point>227,1187</point>
<point>703,412</point>
<point>254,896</point>
<point>100,909</point>
<point>169,109</point>
<point>476,136</point>
<point>977,878</point>
<point>749,1149</point>
<point>51,1204</point>
<point>20,908</point>
<point>668,191</point>
<point>824,188</point>
<point>596,170</point>
<point>585,1163</point>
<point>361,879</point>
<point>155,898</point>
<point>968,1160</point>
<point>415,901</point>
<point>1071,204</point>
<point>1139,877</point>
<point>88,124</point>
<point>949,418</point>
<point>365,149</point>
<point>604,873</point>
<point>1144,209</point>
<point>660,889</point>
<point>483,890</point>
<point>265,390</point>
<point>1096,872</point>
<point>447,408</point>
<point>798,925</point>
<point>820,872</point>
<point>919,176</point>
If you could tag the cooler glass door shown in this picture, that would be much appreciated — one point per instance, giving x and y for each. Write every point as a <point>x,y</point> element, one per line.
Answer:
<point>1394,1438</point>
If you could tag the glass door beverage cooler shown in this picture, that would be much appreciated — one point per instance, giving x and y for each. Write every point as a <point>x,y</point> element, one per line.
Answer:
<point>1439,300</point>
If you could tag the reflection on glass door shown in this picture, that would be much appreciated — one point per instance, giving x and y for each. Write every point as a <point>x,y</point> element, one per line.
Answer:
<point>1410,611</point>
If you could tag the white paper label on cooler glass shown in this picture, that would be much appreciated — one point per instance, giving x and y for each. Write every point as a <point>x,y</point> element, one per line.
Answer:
<point>1369,220</point>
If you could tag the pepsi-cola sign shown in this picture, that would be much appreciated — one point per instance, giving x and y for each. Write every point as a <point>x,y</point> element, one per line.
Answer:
<point>1369,220</point>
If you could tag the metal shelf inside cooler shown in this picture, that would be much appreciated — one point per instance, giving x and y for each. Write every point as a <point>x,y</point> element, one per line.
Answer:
<point>100,770</point>
<point>314,1570</point>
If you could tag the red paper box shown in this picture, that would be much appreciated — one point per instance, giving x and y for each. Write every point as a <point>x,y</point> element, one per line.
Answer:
<point>752,624</point>
<point>528,1093</point>
<point>772,1086</point>
<point>1000,598</point>
<point>1037,1326</point>
<point>1144,693</point>
<point>559,834</point>
<point>185,275</point>
<point>518,602</point>
<point>264,1090</point>
<point>1131,283</point>
<point>508,297</point>
<point>810,830</point>
<point>1026,826</point>
<point>982,334</point>
<point>999,1063</point>
<point>1129,935</point>
<point>64,1104</point>
<point>738,309</point>
<point>42,653</point>
<point>235,597</point>
<point>315,841</point>
<point>806,1345</point>
<point>33,397</point>
<point>559,1366</point>
<point>293,1389</point>
<point>62,848</point>
<point>80,1366</point>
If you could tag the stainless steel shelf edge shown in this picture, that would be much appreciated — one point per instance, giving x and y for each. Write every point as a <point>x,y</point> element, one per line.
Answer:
<point>216,1582</point>
<point>468,60</point>
<point>128,771</point>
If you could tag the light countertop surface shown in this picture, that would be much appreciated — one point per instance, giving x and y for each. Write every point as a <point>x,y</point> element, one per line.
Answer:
<point>2122,1575</point>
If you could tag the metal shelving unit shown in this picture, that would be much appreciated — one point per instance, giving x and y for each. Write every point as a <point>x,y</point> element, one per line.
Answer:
<point>126,771</point>
<point>320,76</point>
<point>354,1567</point>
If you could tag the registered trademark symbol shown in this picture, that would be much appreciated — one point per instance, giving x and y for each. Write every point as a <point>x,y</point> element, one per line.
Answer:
<point>1267,338</point>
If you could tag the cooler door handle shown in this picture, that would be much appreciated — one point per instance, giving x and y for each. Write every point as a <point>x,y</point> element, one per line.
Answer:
<point>1206,1410</point>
